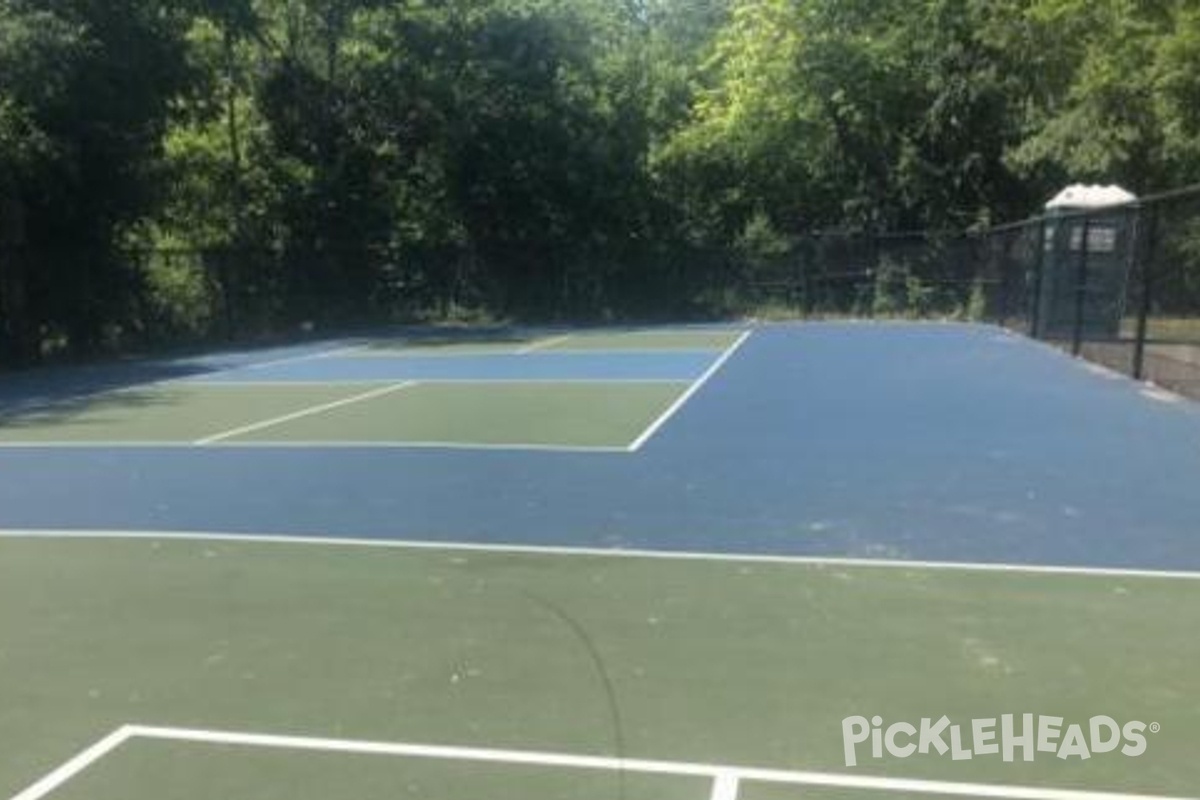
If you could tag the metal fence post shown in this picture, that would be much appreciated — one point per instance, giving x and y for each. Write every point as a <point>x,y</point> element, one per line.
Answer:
<point>1081,288</point>
<point>1039,267</point>
<point>998,251</point>
<point>1147,267</point>
<point>872,294</point>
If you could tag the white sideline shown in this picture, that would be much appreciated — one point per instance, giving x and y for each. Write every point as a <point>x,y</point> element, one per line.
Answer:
<point>603,552</point>
<point>687,395</point>
<point>726,779</point>
<point>304,412</point>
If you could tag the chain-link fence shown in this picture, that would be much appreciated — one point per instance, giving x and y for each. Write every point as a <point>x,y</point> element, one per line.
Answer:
<point>840,274</point>
<point>1117,285</point>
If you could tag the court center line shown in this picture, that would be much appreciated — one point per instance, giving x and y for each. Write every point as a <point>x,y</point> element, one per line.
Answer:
<point>725,777</point>
<point>304,412</point>
<point>60,775</point>
<point>725,786</point>
<point>600,552</point>
<point>542,344</point>
<point>680,401</point>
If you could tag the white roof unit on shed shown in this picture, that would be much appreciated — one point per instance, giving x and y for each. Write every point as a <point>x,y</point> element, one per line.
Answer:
<point>1087,196</point>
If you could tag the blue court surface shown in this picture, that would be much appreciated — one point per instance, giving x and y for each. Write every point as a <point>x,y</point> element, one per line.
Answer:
<point>688,563</point>
<point>936,442</point>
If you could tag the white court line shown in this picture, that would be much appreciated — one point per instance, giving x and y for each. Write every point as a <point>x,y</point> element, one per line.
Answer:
<point>349,350</point>
<point>57,777</point>
<point>340,349</point>
<point>37,403</point>
<point>1146,388</point>
<point>430,381</point>
<point>330,444</point>
<point>577,351</point>
<point>1160,394</point>
<point>601,552</point>
<point>725,786</point>
<point>637,443</point>
<point>541,344</point>
<point>726,778</point>
<point>304,412</point>
<point>431,445</point>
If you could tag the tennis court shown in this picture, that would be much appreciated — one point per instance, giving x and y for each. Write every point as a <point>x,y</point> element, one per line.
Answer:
<point>655,562</point>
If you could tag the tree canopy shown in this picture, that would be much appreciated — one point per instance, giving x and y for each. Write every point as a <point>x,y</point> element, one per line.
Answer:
<point>359,159</point>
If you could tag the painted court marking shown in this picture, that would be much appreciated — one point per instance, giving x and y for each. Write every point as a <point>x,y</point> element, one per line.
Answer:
<point>725,786</point>
<point>50,401</point>
<point>542,344</point>
<point>725,779</point>
<point>304,412</point>
<point>599,552</point>
<point>683,398</point>
<point>69,769</point>
<point>299,444</point>
<point>286,382</point>
<point>383,386</point>
<point>431,353</point>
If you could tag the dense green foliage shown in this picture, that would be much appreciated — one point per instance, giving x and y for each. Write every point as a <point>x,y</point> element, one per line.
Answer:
<point>169,165</point>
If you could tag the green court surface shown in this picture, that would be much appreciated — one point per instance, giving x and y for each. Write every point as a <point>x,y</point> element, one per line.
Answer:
<point>552,414</point>
<point>431,346</point>
<point>186,771</point>
<point>720,663</point>
<point>665,339</point>
<point>638,340</point>
<point>162,413</point>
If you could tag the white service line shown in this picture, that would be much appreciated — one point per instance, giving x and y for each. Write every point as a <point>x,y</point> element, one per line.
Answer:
<point>683,398</point>
<point>542,344</point>
<point>304,412</point>
<point>56,778</point>
<point>819,562</point>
